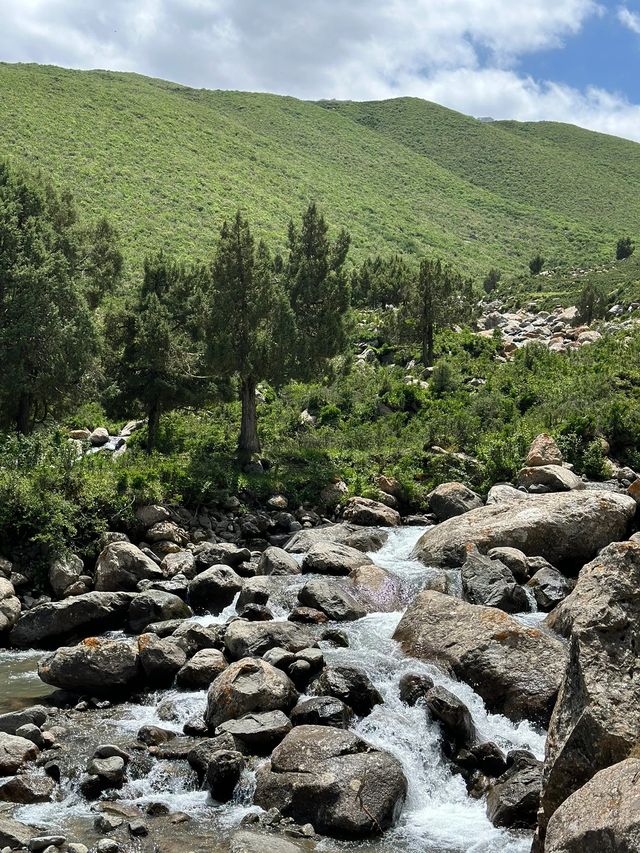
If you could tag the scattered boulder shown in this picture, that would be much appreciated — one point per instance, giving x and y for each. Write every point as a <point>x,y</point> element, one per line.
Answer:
<point>334,780</point>
<point>99,436</point>
<point>121,566</point>
<point>27,788</point>
<point>544,451</point>
<point>451,499</point>
<point>179,563</point>
<point>209,554</point>
<point>203,668</point>
<point>95,665</point>
<point>245,686</point>
<point>322,711</point>
<point>352,686</point>
<point>160,659</point>
<point>514,799</point>
<point>277,561</point>
<point>601,816</point>
<point>156,606</point>
<point>214,589</point>
<point>224,770</point>
<point>455,718</point>
<point>376,589</point>
<point>413,688</point>
<point>362,538</point>
<point>489,582</point>
<point>336,603</point>
<point>253,639</point>
<point>369,513</point>
<point>566,528</point>
<point>554,477</point>
<point>259,842</point>
<point>597,716</point>
<point>514,560</point>
<point>10,606</point>
<point>14,834</point>
<point>64,573</point>
<point>152,514</point>
<point>516,669</point>
<point>549,587</point>
<point>48,624</point>
<point>15,752</point>
<point>333,558</point>
<point>36,715</point>
<point>260,732</point>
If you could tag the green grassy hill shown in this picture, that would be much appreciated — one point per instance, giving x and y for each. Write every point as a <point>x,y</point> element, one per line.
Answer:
<point>166,163</point>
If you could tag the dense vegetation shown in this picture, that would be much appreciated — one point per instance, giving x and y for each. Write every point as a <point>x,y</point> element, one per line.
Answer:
<point>166,164</point>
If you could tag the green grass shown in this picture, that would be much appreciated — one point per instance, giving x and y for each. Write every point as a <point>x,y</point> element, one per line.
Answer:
<point>166,163</point>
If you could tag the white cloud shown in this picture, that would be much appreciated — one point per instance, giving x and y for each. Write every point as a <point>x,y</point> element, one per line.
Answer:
<point>462,53</point>
<point>629,19</point>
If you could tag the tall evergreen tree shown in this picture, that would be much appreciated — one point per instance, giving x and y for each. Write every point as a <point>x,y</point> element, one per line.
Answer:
<point>160,337</point>
<point>440,298</point>
<point>251,329</point>
<point>592,304</point>
<point>47,337</point>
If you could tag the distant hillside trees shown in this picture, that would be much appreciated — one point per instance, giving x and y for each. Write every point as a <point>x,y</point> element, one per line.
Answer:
<point>491,281</point>
<point>536,264</point>
<point>439,298</point>
<point>379,282</point>
<point>275,321</point>
<point>48,341</point>
<point>592,304</point>
<point>159,337</point>
<point>624,248</point>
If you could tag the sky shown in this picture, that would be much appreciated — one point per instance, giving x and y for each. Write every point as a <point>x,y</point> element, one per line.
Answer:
<point>563,60</point>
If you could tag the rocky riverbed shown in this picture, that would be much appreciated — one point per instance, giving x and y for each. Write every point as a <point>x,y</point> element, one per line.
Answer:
<point>457,683</point>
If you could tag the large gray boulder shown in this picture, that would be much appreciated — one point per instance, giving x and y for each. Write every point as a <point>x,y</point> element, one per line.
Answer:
<point>253,639</point>
<point>330,599</point>
<point>514,799</point>
<point>259,731</point>
<point>370,513</point>
<point>451,499</point>
<point>489,582</point>
<point>516,669</point>
<point>335,780</point>
<point>349,684</point>
<point>122,565</point>
<point>361,538</point>
<point>156,606</point>
<point>214,588</point>
<point>596,720</point>
<point>260,842</point>
<point>601,817</point>
<point>376,589</point>
<point>14,834</point>
<point>64,572</point>
<point>549,587</point>
<point>161,659</point>
<point>544,451</point>
<point>276,561</point>
<point>200,670</point>
<point>80,616</point>
<point>95,665</point>
<point>14,753</point>
<point>566,528</point>
<point>10,606</point>
<point>554,477</point>
<point>333,558</point>
<point>245,686</point>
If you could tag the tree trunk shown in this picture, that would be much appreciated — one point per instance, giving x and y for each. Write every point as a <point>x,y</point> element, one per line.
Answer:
<point>427,345</point>
<point>249,443</point>
<point>23,419</point>
<point>153,424</point>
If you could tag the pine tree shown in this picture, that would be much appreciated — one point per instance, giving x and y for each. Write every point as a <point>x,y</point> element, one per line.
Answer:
<point>47,337</point>
<point>592,304</point>
<point>160,338</point>
<point>624,248</point>
<point>251,330</point>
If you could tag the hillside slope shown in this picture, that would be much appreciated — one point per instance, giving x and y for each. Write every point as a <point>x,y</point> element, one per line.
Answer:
<point>166,163</point>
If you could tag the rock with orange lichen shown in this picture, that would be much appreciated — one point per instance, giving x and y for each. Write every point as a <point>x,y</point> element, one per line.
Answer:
<point>95,666</point>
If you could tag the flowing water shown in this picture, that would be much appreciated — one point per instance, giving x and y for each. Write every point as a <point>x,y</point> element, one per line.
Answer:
<point>439,816</point>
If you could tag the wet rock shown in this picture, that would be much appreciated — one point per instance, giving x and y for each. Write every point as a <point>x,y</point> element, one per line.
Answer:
<point>245,686</point>
<point>549,587</point>
<point>259,842</point>
<point>544,451</point>
<point>255,613</point>
<point>209,554</point>
<point>194,637</point>
<point>451,499</point>
<point>369,513</point>
<point>334,780</point>
<point>455,718</point>
<point>200,755</point>
<point>14,753</point>
<point>514,560</point>
<point>182,562</point>
<point>376,589</point>
<point>14,834</point>
<point>333,558</point>
<point>109,772</point>
<point>362,538</point>
<point>156,606</point>
<point>121,566</point>
<point>601,816</point>
<point>322,711</point>
<point>554,477</point>
<point>597,716</point>
<point>154,735</point>
<point>95,665</point>
<point>32,733</point>
<point>517,670</point>
<point>46,624</point>
<point>489,582</point>
<point>566,528</point>
<point>351,685</point>
<point>276,561</point>
<point>327,597</point>
<point>203,668</point>
<point>337,637</point>
<point>27,788</point>
<point>42,842</point>
<point>12,721</point>
<point>413,688</point>
<point>160,659</point>
<point>260,732</point>
<point>214,589</point>
<point>223,774</point>
<point>307,616</point>
<point>64,572</point>
<point>514,799</point>
<point>253,639</point>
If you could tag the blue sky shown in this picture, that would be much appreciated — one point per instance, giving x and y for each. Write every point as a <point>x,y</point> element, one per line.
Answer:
<point>562,60</point>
